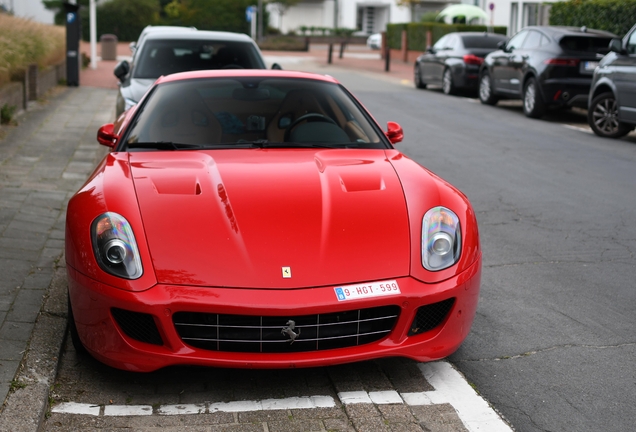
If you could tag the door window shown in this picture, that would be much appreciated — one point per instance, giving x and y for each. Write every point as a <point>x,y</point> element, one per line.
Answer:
<point>532,41</point>
<point>517,40</point>
<point>631,43</point>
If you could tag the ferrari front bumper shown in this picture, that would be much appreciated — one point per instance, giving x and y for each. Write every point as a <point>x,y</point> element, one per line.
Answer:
<point>102,315</point>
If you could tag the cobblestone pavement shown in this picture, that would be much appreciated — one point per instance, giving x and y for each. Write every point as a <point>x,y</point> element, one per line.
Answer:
<point>43,161</point>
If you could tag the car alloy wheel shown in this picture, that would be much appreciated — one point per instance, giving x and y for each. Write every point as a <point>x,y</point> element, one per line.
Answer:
<point>447,82</point>
<point>603,117</point>
<point>417,79</point>
<point>485,90</point>
<point>533,105</point>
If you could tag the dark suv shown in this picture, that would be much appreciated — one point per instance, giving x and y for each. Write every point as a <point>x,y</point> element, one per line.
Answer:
<point>545,66</point>
<point>612,107</point>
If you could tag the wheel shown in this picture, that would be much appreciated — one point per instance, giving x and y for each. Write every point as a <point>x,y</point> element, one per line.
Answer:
<point>417,78</point>
<point>72,328</point>
<point>533,104</point>
<point>447,83</point>
<point>486,95</point>
<point>306,117</point>
<point>602,117</point>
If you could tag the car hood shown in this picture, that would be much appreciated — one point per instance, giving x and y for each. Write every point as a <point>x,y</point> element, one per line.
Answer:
<point>272,218</point>
<point>135,88</point>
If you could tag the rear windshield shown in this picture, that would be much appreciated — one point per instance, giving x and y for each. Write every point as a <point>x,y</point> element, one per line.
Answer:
<point>489,41</point>
<point>165,57</point>
<point>586,44</point>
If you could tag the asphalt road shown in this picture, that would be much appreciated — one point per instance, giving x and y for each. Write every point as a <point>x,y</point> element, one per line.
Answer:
<point>553,345</point>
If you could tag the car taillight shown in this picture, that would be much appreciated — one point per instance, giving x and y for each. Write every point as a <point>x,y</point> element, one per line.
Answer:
<point>562,62</point>
<point>472,59</point>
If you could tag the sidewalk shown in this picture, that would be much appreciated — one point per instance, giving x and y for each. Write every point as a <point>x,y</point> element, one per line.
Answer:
<point>43,161</point>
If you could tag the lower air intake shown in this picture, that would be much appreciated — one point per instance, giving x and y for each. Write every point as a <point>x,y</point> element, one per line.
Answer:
<point>137,326</point>
<point>430,316</point>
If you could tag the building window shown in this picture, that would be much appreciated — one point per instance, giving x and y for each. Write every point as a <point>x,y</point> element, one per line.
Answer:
<point>513,28</point>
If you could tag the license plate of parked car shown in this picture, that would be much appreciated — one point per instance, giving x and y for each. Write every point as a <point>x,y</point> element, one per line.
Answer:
<point>589,66</point>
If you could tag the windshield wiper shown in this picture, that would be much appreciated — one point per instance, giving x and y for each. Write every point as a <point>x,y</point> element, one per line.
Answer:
<point>164,145</point>
<point>310,145</point>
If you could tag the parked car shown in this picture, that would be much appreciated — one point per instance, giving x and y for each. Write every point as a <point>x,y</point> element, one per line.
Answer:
<point>166,52</point>
<point>375,41</point>
<point>454,61</point>
<point>156,29</point>
<point>544,66</point>
<point>259,218</point>
<point>612,100</point>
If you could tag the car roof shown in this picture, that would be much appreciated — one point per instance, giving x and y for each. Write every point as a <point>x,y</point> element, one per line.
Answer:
<point>199,35</point>
<point>559,31</point>
<point>477,34</point>
<point>244,73</point>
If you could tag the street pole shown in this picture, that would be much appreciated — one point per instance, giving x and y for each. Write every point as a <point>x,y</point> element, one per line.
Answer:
<point>93,30</point>
<point>260,20</point>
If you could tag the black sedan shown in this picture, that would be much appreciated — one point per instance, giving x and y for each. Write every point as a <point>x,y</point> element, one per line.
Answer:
<point>454,61</point>
<point>544,66</point>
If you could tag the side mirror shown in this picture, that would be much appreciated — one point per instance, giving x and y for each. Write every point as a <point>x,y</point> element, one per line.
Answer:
<point>616,45</point>
<point>106,136</point>
<point>430,50</point>
<point>276,66</point>
<point>394,132</point>
<point>133,47</point>
<point>501,45</point>
<point>121,70</point>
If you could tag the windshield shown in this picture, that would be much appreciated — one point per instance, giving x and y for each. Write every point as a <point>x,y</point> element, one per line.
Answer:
<point>165,57</point>
<point>251,112</point>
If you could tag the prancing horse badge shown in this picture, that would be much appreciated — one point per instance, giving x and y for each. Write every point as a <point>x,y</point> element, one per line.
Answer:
<point>286,272</point>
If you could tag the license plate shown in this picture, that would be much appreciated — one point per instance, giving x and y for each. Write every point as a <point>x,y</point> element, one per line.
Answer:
<point>589,66</point>
<point>373,289</point>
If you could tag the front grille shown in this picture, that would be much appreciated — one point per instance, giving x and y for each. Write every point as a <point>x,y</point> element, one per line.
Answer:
<point>242,333</point>
<point>138,326</point>
<point>430,316</point>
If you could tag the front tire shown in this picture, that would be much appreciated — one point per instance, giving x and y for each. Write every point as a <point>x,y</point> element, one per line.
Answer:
<point>72,328</point>
<point>602,116</point>
<point>533,104</point>
<point>486,94</point>
<point>448,87</point>
<point>417,78</point>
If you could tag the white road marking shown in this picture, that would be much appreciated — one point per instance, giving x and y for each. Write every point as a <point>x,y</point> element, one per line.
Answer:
<point>76,408</point>
<point>127,410</point>
<point>585,129</point>
<point>450,388</point>
<point>385,397</point>
<point>181,409</point>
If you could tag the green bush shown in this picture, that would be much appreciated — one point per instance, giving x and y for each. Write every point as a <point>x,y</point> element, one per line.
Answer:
<point>616,16</point>
<point>416,33</point>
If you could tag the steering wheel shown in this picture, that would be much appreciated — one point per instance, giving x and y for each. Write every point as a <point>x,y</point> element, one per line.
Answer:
<point>313,116</point>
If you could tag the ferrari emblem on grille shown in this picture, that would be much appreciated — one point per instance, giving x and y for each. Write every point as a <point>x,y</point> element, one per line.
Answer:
<point>289,331</point>
<point>286,272</point>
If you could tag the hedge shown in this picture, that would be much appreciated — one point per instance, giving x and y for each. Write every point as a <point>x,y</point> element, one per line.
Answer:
<point>616,16</point>
<point>416,33</point>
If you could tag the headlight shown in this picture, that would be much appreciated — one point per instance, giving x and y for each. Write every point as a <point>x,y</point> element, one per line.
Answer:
<point>115,246</point>
<point>441,239</point>
<point>129,103</point>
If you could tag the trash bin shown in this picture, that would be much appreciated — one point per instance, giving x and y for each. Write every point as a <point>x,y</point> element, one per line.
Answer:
<point>109,46</point>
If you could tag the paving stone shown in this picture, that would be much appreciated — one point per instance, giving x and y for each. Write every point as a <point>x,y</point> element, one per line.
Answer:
<point>295,426</point>
<point>16,331</point>
<point>263,416</point>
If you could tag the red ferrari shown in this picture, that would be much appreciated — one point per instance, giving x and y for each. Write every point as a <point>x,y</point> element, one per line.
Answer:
<point>263,219</point>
